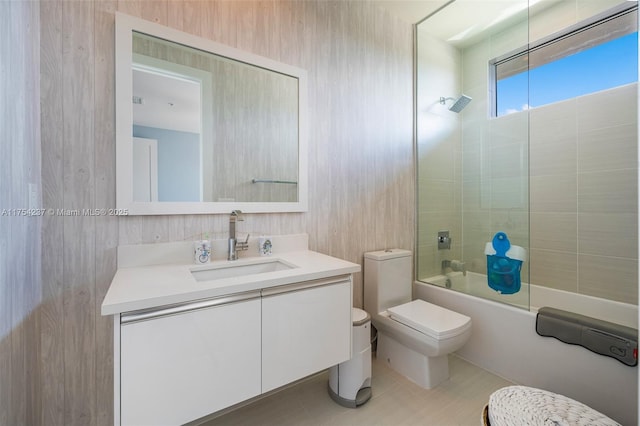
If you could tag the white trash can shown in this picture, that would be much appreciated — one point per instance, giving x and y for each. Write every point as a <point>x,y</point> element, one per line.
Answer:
<point>350,381</point>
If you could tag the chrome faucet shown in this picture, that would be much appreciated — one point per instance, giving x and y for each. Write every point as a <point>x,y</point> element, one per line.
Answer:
<point>234,245</point>
<point>455,266</point>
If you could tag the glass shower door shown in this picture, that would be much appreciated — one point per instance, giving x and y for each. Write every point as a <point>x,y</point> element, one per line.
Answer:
<point>472,165</point>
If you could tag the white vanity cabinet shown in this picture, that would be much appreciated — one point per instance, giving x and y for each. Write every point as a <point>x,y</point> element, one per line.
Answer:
<point>305,328</point>
<point>185,362</point>
<point>177,363</point>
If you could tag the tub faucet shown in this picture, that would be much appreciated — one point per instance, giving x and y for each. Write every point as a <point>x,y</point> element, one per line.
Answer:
<point>455,265</point>
<point>234,245</point>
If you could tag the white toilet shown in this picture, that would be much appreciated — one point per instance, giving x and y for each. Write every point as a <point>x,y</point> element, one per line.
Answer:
<point>414,337</point>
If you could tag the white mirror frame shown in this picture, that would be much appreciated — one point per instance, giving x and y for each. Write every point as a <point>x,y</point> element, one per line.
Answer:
<point>125,26</point>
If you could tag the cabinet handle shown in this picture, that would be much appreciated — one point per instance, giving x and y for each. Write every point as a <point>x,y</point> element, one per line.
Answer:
<point>305,284</point>
<point>146,314</point>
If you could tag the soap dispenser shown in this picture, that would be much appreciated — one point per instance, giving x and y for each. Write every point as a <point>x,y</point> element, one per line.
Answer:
<point>202,251</point>
<point>265,246</point>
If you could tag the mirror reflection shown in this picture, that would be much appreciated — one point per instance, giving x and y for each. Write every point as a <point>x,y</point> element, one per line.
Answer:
<point>208,128</point>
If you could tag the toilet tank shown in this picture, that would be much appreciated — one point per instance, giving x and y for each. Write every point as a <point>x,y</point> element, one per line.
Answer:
<point>387,279</point>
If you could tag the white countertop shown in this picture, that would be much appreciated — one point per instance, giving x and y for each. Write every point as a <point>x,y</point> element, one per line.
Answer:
<point>141,287</point>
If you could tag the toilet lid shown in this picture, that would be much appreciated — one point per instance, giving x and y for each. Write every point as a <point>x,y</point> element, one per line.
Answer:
<point>430,319</point>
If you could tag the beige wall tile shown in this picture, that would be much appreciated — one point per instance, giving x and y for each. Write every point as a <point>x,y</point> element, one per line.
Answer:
<point>553,142</point>
<point>553,157</point>
<point>554,269</point>
<point>608,234</point>
<point>609,108</point>
<point>556,121</point>
<point>514,222</point>
<point>509,160</point>
<point>509,193</point>
<point>437,159</point>
<point>608,149</point>
<point>472,159</point>
<point>611,278</point>
<point>438,197</point>
<point>608,191</point>
<point>471,195</point>
<point>554,231</point>
<point>506,130</point>
<point>475,259</point>
<point>556,193</point>
<point>427,261</point>
<point>430,223</point>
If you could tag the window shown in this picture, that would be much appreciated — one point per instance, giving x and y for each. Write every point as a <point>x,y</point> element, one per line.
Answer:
<point>589,57</point>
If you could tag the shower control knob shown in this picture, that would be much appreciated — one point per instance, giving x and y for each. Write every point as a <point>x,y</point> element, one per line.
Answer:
<point>444,241</point>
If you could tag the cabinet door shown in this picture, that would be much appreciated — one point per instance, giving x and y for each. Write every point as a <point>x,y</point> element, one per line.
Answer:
<point>304,332</point>
<point>180,367</point>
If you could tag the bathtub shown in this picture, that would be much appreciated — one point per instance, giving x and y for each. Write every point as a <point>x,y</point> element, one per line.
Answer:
<point>534,296</point>
<point>503,341</point>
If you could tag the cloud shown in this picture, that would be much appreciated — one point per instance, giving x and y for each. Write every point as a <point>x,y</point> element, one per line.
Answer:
<point>514,110</point>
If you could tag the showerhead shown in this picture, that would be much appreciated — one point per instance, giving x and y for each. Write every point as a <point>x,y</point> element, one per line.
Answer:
<point>459,103</point>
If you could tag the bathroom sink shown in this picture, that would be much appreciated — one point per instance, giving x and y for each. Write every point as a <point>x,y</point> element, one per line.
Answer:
<point>229,270</point>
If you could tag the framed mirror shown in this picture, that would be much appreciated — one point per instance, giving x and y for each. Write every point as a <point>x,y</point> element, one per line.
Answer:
<point>205,128</point>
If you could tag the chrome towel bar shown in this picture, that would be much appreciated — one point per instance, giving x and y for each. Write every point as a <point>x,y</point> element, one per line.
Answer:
<point>287,182</point>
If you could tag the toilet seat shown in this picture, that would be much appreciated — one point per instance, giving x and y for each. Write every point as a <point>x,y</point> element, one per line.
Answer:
<point>432,320</point>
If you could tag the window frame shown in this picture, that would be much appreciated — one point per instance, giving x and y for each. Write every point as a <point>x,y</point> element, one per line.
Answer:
<point>612,30</point>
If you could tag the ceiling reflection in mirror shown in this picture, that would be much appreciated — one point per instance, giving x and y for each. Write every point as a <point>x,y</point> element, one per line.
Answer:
<point>211,129</point>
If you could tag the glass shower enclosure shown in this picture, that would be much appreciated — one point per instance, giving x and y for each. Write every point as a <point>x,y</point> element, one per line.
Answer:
<point>473,154</point>
<point>527,132</point>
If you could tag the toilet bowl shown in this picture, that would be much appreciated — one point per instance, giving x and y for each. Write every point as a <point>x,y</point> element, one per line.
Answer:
<point>414,337</point>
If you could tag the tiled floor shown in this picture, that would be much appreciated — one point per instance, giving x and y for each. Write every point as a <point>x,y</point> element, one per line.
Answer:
<point>396,401</point>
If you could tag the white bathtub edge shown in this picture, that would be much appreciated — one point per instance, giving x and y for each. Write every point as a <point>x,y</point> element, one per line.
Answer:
<point>504,342</point>
<point>608,310</point>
